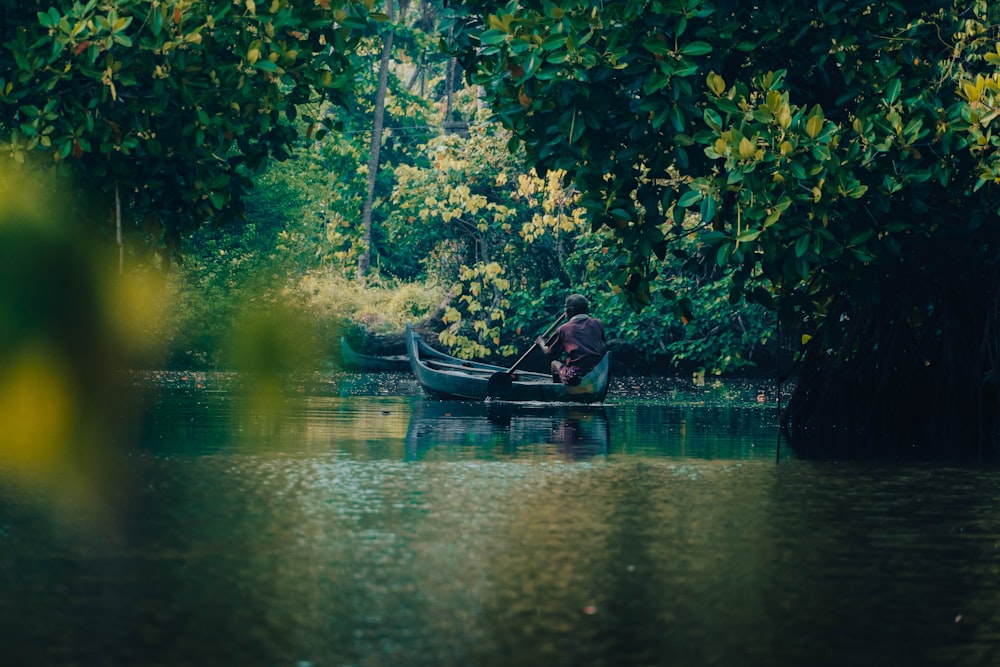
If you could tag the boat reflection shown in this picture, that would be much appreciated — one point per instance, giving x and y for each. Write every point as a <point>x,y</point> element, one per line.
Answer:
<point>442,429</point>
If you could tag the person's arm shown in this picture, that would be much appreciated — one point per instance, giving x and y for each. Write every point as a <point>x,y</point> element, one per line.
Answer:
<point>556,345</point>
<point>542,346</point>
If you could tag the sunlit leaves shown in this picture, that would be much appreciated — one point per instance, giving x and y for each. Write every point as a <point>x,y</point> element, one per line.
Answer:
<point>507,219</point>
<point>475,325</point>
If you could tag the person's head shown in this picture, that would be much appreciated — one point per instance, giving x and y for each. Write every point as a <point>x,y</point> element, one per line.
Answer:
<point>576,304</point>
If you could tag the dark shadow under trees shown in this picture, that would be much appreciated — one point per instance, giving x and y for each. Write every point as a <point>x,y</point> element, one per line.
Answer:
<point>914,375</point>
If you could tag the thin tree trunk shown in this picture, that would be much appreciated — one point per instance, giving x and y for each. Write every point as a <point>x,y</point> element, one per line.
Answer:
<point>364,261</point>
<point>449,87</point>
<point>118,230</point>
<point>417,75</point>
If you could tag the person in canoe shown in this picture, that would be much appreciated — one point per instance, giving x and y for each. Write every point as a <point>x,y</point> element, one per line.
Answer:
<point>578,345</point>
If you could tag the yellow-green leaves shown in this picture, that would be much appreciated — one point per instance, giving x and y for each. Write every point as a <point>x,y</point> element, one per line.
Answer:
<point>815,124</point>
<point>501,23</point>
<point>482,303</point>
<point>973,90</point>
<point>777,105</point>
<point>716,83</point>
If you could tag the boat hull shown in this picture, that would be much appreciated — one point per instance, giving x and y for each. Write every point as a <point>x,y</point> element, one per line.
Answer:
<point>357,361</point>
<point>444,376</point>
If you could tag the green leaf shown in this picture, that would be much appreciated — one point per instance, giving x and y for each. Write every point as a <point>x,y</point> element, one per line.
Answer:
<point>534,62</point>
<point>892,92</point>
<point>689,198</point>
<point>802,245</point>
<point>656,46</point>
<point>713,120</point>
<point>553,42</point>
<point>723,254</point>
<point>156,22</point>
<point>696,48</point>
<point>677,118</point>
<point>49,19</point>
<point>708,208</point>
<point>493,37</point>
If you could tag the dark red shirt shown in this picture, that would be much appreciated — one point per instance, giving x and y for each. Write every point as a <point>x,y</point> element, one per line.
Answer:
<point>582,340</point>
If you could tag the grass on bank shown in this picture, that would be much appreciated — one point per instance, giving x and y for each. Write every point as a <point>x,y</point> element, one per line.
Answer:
<point>257,325</point>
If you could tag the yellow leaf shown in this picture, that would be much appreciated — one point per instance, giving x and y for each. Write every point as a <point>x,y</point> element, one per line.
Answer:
<point>716,83</point>
<point>806,338</point>
<point>747,149</point>
<point>773,101</point>
<point>784,117</point>
<point>972,92</point>
<point>814,126</point>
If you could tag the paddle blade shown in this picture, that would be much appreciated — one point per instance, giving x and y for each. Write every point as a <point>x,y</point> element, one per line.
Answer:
<point>498,384</point>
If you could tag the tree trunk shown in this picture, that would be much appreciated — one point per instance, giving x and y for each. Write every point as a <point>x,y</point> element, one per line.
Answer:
<point>364,261</point>
<point>118,229</point>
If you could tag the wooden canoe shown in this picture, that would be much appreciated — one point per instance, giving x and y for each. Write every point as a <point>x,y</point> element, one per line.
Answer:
<point>357,361</point>
<point>444,376</point>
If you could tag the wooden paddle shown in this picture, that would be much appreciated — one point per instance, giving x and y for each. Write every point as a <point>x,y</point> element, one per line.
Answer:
<point>501,381</point>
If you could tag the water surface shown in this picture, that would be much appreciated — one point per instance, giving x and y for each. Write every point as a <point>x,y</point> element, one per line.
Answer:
<point>368,525</point>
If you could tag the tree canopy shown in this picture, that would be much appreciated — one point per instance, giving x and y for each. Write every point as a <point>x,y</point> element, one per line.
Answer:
<point>168,108</point>
<point>840,159</point>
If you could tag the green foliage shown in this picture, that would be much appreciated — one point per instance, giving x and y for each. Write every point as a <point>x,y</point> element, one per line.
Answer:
<point>837,160</point>
<point>507,231</point>
<point>237,295</point>
<point>177,106</point>
<point>518,244</point>
<point>799,172</point>
<point>229,278</point>
<point>173,105</point>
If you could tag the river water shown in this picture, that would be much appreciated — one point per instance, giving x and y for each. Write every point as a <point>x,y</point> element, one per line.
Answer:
<point>363,524</point>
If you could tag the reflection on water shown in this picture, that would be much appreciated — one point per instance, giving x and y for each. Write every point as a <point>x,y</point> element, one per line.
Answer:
<point>388,529</point>
<point>441,429</point>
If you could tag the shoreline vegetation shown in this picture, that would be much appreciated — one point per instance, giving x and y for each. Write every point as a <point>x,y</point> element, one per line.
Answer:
<point>297,329</point>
